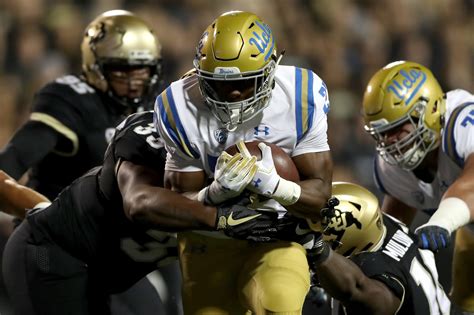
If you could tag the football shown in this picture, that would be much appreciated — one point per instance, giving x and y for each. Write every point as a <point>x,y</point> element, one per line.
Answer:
<point>283,162</point>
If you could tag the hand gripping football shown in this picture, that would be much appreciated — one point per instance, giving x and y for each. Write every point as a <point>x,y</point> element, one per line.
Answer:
<point>283,163</point>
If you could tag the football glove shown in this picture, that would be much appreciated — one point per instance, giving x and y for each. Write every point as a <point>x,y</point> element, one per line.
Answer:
<point>238,221</point>
<point>231,176</point>
<point>432,237</point>
<point>266,180</point>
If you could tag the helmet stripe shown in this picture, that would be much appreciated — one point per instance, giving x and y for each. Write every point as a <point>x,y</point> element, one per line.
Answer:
<point>304,101</point>
<point>449,143</point>
<point>172,122</point>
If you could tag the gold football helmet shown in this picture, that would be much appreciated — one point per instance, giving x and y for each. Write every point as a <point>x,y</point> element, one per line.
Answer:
<point>403,92</point>
<point>118,38</point>
<point>356,225</point>
<point>238,48</point>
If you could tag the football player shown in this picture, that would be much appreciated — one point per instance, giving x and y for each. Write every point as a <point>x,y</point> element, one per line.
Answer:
<point>386,272</point>
<point>240,93</point>
<point>104,232</point>
<point>73,117</point>
<point>425,160</point>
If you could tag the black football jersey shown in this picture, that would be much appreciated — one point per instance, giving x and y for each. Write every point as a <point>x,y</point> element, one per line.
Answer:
<point>408,271</point>
<point>85,118</point>
<point>87,219</point>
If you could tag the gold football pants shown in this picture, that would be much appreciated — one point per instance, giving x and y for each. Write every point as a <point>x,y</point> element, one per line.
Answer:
<point>462,292</point>
<point>224,276</point>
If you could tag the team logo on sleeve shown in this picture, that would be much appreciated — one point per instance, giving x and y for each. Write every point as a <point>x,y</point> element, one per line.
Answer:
<point>221,135</point>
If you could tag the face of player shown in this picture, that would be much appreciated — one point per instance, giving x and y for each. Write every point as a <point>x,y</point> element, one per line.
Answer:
<point>130,82</point>
<point>232,91</point>
<point>398,134</point>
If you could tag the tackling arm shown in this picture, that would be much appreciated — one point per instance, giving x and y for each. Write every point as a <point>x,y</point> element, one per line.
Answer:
<point>147,202</point>
<point>345,281</point>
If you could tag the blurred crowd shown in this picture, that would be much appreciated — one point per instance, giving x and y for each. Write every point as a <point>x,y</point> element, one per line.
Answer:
<point>343,41</point>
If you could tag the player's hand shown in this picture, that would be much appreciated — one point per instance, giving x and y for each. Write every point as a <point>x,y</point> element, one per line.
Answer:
<point>432,237</point>
<point>15,199</point>
<point>266,179</point>
<point>294,229</point>
<point>238,221</point>
<point>231,176</point>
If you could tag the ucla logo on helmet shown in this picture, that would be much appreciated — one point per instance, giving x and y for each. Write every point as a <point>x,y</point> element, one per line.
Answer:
<point>262,38</point>
<point>201,44</point>
<point>221,135</point>
<point>407,84</point>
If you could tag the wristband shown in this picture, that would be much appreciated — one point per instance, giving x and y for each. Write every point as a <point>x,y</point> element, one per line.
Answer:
<point>319,253</point>
<point>287,192</point>
<point>452,213</point>
<point>202,194</point>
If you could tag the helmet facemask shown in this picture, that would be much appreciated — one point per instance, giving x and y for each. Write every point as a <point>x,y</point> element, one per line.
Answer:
<point>235,64</point>
<point>409,151</point>
<point>118,41</point>
<point>234,113</point>
<point>149,85</point>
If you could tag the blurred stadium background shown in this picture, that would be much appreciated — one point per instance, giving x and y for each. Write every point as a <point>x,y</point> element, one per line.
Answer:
<point>342,41</point>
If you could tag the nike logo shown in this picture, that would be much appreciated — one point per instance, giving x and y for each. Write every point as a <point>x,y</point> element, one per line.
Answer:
<point>300,231</point>
<point>232,222</point>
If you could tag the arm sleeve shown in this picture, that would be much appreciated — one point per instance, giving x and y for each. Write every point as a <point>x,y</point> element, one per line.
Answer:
<point>374,266</point>
<point>315,139</point>
<point>30,144</point>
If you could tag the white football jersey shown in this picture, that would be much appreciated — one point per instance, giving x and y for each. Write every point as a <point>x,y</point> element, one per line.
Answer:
<point>457,143</point>
<point>295,120</point>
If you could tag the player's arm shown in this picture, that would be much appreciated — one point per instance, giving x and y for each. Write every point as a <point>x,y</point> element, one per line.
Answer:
<point>30,144</point>
<point>455,210</point>
<point>146,202</point>
<point>398,209</point>
<point>16,199</point>
<point>346,282</point>
<point>315,170</point>
<point>151,206</point>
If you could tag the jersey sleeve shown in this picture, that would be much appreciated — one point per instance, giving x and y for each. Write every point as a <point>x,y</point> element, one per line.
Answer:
<point>58,106</point>
<point>140,144</point>
<point>181,155</point>
<point>458,140</point>
<point>311,108</point>
<point>375,265</point>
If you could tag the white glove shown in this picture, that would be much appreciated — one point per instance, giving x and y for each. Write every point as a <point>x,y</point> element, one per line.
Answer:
<point>267,182</point>
<point>266,179</point>
<point>231,176</point>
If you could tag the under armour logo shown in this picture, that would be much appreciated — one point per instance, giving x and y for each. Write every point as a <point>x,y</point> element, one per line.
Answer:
<point>265,130</point>
<point>257,182</point>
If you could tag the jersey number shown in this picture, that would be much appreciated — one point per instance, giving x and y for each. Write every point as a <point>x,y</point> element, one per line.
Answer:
<point>77,85</point>
<point>154,142</point>
<point>423,277</point>
<point>469,119</point>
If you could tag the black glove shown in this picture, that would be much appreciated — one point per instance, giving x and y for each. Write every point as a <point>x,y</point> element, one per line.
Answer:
<point>238,221</point>
<point>432,237</point>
